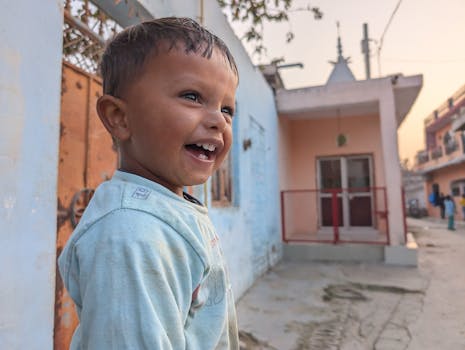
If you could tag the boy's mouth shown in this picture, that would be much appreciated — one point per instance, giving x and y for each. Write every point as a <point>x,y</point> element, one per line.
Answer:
<point>203,151</point>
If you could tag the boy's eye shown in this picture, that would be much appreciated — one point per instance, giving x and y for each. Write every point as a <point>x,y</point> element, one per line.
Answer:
<point>227,110</point>
<point>193,96</point>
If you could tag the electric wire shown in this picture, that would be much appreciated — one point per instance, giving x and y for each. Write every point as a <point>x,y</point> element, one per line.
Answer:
<point>384,33</point>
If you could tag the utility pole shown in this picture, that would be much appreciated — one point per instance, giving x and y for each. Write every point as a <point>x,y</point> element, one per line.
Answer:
<point>366,50</point>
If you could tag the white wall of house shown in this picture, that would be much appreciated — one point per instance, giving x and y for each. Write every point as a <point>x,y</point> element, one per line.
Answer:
<point>30,73</point>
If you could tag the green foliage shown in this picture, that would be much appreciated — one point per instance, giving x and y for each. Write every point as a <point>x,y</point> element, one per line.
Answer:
<point>257,12</point>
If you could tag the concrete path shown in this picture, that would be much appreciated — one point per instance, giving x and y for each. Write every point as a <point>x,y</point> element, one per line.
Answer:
<point>327,306</point>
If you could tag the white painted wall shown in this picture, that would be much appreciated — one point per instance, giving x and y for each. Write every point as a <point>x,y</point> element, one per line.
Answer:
<point>387,108</point>
<point>30,71</point>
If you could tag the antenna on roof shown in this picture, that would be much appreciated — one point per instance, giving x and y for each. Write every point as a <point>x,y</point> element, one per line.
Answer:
<point>366,50</point>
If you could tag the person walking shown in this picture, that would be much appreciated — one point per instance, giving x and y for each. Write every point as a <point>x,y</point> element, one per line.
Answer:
<point>449,211</point>
<point>441,205</point>
<point>462,204</point>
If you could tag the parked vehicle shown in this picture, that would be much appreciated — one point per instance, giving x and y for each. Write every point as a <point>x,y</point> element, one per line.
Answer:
<point>414,210</point>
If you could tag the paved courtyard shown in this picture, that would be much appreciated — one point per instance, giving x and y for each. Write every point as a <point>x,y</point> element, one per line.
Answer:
<point>325,306</point>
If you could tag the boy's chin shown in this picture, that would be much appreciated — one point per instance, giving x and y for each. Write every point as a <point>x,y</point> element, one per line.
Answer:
<point>199,178</point>
<point>198,182</point>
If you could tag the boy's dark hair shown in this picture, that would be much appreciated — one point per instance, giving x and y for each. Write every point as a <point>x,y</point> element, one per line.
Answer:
<point>126,54</point>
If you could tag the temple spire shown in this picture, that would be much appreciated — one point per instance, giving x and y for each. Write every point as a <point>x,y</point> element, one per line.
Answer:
<point>341,71</point>
<point>339,45</point>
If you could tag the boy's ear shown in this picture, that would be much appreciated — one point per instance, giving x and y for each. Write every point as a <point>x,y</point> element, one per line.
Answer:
<point>112,112</point>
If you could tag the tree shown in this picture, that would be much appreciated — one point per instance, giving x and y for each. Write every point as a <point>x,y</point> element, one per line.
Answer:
<point>257,12</point>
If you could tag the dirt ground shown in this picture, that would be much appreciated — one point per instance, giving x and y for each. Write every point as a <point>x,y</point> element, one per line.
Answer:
<point>325,306</point>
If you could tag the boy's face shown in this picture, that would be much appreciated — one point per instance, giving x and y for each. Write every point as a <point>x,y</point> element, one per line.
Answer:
<point>179,114</point>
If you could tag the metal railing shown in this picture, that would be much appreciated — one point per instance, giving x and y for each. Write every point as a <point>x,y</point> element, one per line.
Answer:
<point>456,143</point>
<point>445,107</point>
<point>436,152</point>
<point>451,146</point>
<point>422,157</point>
<point>461,141</point>
<point>350,215</point>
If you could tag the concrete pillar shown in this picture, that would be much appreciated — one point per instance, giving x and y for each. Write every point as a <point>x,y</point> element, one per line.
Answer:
<point>30,73</point>
<point>391,164</point>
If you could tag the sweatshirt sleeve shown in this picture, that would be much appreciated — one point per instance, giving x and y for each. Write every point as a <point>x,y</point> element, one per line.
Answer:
<point>136,276</point>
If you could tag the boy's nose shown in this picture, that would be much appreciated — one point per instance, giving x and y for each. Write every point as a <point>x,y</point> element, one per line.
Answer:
<point>215,120</point>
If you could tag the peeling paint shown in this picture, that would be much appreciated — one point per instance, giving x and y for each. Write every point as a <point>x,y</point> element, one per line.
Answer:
<point>43,260</point>
<point>8,203</point>
<point>12,102</point>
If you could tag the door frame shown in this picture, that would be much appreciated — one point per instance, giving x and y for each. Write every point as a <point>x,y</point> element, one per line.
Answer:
<point>344,194</point>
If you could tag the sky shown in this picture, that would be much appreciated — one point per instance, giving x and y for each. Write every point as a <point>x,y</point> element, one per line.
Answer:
<point>424,37</point>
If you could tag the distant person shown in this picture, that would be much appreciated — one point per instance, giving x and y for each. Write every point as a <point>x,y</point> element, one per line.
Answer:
<point>449,212</point>
<point>144,266</point>
<point>441,206</point>
<point>462,204</point>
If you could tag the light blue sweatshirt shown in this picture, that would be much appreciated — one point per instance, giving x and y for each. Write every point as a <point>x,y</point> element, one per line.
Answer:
<point>145,270</point>
<point>449,207</point>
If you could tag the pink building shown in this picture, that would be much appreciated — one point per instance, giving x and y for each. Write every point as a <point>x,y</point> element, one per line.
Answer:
<point>442,162</point>
<point>340,173</point>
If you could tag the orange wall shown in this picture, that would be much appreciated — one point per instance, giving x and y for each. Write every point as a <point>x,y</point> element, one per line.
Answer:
<point>443,178</point>
<point>302,141</point>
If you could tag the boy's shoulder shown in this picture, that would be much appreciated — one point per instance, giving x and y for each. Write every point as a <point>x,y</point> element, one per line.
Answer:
<point>132,222</point>
<point>129,191</point>
<point>129,200</point>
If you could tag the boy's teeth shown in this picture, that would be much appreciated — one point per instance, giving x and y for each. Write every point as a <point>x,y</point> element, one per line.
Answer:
<point>206,146</point>
<point>203,156</point>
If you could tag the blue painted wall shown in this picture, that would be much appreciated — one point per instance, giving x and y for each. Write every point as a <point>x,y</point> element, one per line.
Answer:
<point>250,229</point>
<point>30,73</point>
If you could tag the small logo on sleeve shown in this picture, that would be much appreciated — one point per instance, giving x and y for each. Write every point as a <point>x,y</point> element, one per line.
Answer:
<point>214,241</point>
<point>141,193</point>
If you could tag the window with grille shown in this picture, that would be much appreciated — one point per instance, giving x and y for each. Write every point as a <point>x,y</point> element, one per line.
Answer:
<point>221,184</point>
<point>86,28</point>
<point>455,187</point>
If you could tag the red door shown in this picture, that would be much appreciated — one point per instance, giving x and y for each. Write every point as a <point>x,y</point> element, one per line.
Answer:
<point>351,176</point>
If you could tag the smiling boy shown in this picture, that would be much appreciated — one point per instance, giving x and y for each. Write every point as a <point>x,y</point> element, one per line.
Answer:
<point>144,267</point>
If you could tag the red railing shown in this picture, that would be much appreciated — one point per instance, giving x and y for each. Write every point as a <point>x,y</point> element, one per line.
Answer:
<point>350,215</point>
<point>404,214</point>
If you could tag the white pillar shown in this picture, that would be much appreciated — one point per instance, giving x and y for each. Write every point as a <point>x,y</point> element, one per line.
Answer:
<point>391,164</point>
<point>30,74</point>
